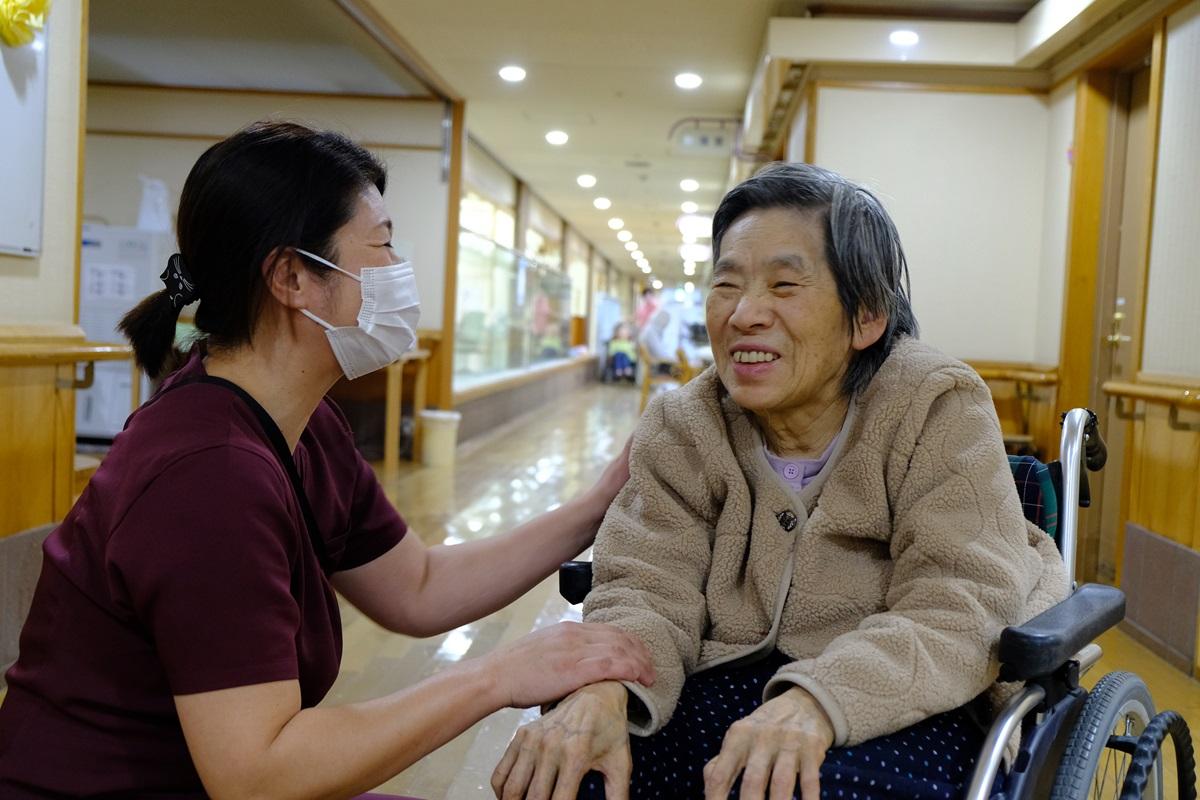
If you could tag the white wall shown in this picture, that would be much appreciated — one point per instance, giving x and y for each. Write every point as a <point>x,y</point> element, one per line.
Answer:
<point>1055,222</point>
<point>161,133</point>
<point>964,177</point>
<point>1173,291</point>
<point>42,289</point>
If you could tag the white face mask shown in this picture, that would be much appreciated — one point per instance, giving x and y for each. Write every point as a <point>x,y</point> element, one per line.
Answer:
<point>387,321</point>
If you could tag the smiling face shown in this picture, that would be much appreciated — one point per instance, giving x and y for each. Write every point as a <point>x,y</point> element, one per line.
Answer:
<point>781,340</point>
<point>364,241</point>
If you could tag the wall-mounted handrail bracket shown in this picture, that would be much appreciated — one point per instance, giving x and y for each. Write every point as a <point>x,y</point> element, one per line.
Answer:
<point>78,382</point>
<point>1176,425</point>
<point>1128,413</point>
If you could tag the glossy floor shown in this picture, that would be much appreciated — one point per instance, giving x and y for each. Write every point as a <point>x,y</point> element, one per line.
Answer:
<point>500,480</point>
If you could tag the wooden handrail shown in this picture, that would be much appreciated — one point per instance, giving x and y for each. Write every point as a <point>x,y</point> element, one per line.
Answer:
<point>1153,393</point>
<point>1029,376</point>
<point>35,354</point>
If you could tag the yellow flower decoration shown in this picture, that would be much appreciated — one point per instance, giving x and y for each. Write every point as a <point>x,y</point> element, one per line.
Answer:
<point>20,20</point>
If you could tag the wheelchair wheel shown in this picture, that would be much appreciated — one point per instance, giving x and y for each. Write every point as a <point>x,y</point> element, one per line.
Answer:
<point>1099,750</point>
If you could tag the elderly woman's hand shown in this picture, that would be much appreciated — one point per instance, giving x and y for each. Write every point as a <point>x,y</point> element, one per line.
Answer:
<point>548,758</point>
<point>783,738</point>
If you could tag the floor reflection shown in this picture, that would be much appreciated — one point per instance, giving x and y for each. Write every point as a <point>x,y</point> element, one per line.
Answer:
<point>499,480</point>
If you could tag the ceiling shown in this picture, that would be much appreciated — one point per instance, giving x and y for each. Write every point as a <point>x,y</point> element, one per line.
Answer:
<point>601,71</point>
<point>604,73</point>
<point>240,44</point>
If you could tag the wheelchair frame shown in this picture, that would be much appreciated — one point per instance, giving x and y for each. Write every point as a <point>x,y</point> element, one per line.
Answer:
<point>1049,653</point>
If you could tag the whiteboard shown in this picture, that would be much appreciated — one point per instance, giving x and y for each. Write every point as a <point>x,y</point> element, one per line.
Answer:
<point>22,145</point>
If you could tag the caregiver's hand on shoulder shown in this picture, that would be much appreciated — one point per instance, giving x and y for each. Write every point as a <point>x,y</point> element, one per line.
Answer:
<point>783,738</point>
<point>553,662</point>
<point>548,758</point>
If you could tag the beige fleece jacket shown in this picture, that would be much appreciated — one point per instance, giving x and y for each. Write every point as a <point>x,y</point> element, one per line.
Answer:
<point>887,580</point>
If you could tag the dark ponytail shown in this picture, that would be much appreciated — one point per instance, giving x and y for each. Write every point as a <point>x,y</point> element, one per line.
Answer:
<point>269,186</point>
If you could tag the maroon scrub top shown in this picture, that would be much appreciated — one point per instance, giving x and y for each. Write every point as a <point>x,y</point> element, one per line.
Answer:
<point>185,567</point>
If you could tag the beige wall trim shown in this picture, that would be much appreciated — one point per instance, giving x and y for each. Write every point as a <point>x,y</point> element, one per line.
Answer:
<point>908,86</point>
<point>162,87</point>
<point>443,384</point>
<point>1158,53</point>
<point>364,13</point>
<point>81,153</point>
<point>207,137</point>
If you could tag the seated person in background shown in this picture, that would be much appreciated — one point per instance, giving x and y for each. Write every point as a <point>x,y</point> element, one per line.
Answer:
<point>622,352</point>
<point>820,543</point>
<point>654,337</point>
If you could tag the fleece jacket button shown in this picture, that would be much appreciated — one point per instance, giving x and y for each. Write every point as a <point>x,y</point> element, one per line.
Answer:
<point>787,520</point>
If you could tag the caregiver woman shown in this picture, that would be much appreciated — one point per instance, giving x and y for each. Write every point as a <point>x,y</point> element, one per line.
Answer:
<point>185,625</point>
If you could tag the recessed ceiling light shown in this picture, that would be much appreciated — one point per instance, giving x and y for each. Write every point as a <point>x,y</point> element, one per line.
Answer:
<point>512,73</point>
<point>643,263</point>
<point>625,236</point>
<point>646,269</point>
<point>631,246</point>
<point>689,271</point>
<point>586,181</point>
<point>689,265</point>
<point>904,38</point>
<point>557,137</point>
<point>689,238</point>
<point>689,185</point>
<point>637,255</point>
<point>695,252</point>
<point>689,287</point>
<point>602,203</point>
<point>689,207</point>
<point>656,283</point>
<point>616,223</point>
<point>688,80</point>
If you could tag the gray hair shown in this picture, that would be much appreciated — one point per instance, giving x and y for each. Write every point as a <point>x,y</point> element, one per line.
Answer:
<point>862,247</point>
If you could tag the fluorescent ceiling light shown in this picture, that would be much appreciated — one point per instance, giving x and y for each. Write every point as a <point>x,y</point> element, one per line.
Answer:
<point>697,226</point>
<point>689,184</point>
<point>689,207</point>
<point>616,223</point>
<point>586,181</point>
<point>625,236</point>
<point>512,73</point>
<point>904,38</point>
<point>695,252</point>
<point>602,203</point>
<point>688,80</point>
<point>557,137</point>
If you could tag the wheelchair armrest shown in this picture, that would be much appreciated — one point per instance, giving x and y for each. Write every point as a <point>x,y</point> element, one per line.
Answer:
<point>1049,640</point>
<point>575,580</point>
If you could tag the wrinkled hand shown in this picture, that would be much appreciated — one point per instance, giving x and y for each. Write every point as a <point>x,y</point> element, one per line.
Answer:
<point>548,758</point>
<point>783,738</point>
<point>553,662</point>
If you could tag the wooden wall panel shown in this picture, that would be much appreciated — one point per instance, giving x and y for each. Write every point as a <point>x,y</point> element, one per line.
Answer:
<point>1164,489</point>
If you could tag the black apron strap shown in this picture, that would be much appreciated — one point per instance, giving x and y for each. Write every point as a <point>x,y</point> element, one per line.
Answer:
<point>279,445</point>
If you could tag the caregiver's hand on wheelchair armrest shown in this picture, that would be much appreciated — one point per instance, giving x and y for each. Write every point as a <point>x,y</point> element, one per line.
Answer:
<point>548,758</point>
<point>784,737</point>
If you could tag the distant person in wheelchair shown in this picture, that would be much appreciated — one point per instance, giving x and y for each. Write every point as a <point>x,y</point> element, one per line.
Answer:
<point>820,543</point>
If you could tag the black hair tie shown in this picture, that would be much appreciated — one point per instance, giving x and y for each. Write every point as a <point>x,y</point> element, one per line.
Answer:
<point>180,286</point>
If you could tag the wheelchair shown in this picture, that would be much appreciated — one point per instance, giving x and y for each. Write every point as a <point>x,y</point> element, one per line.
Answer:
<point>1075,744</point>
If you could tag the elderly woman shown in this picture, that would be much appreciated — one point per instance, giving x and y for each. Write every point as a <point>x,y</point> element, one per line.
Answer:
<point>820,542</point>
